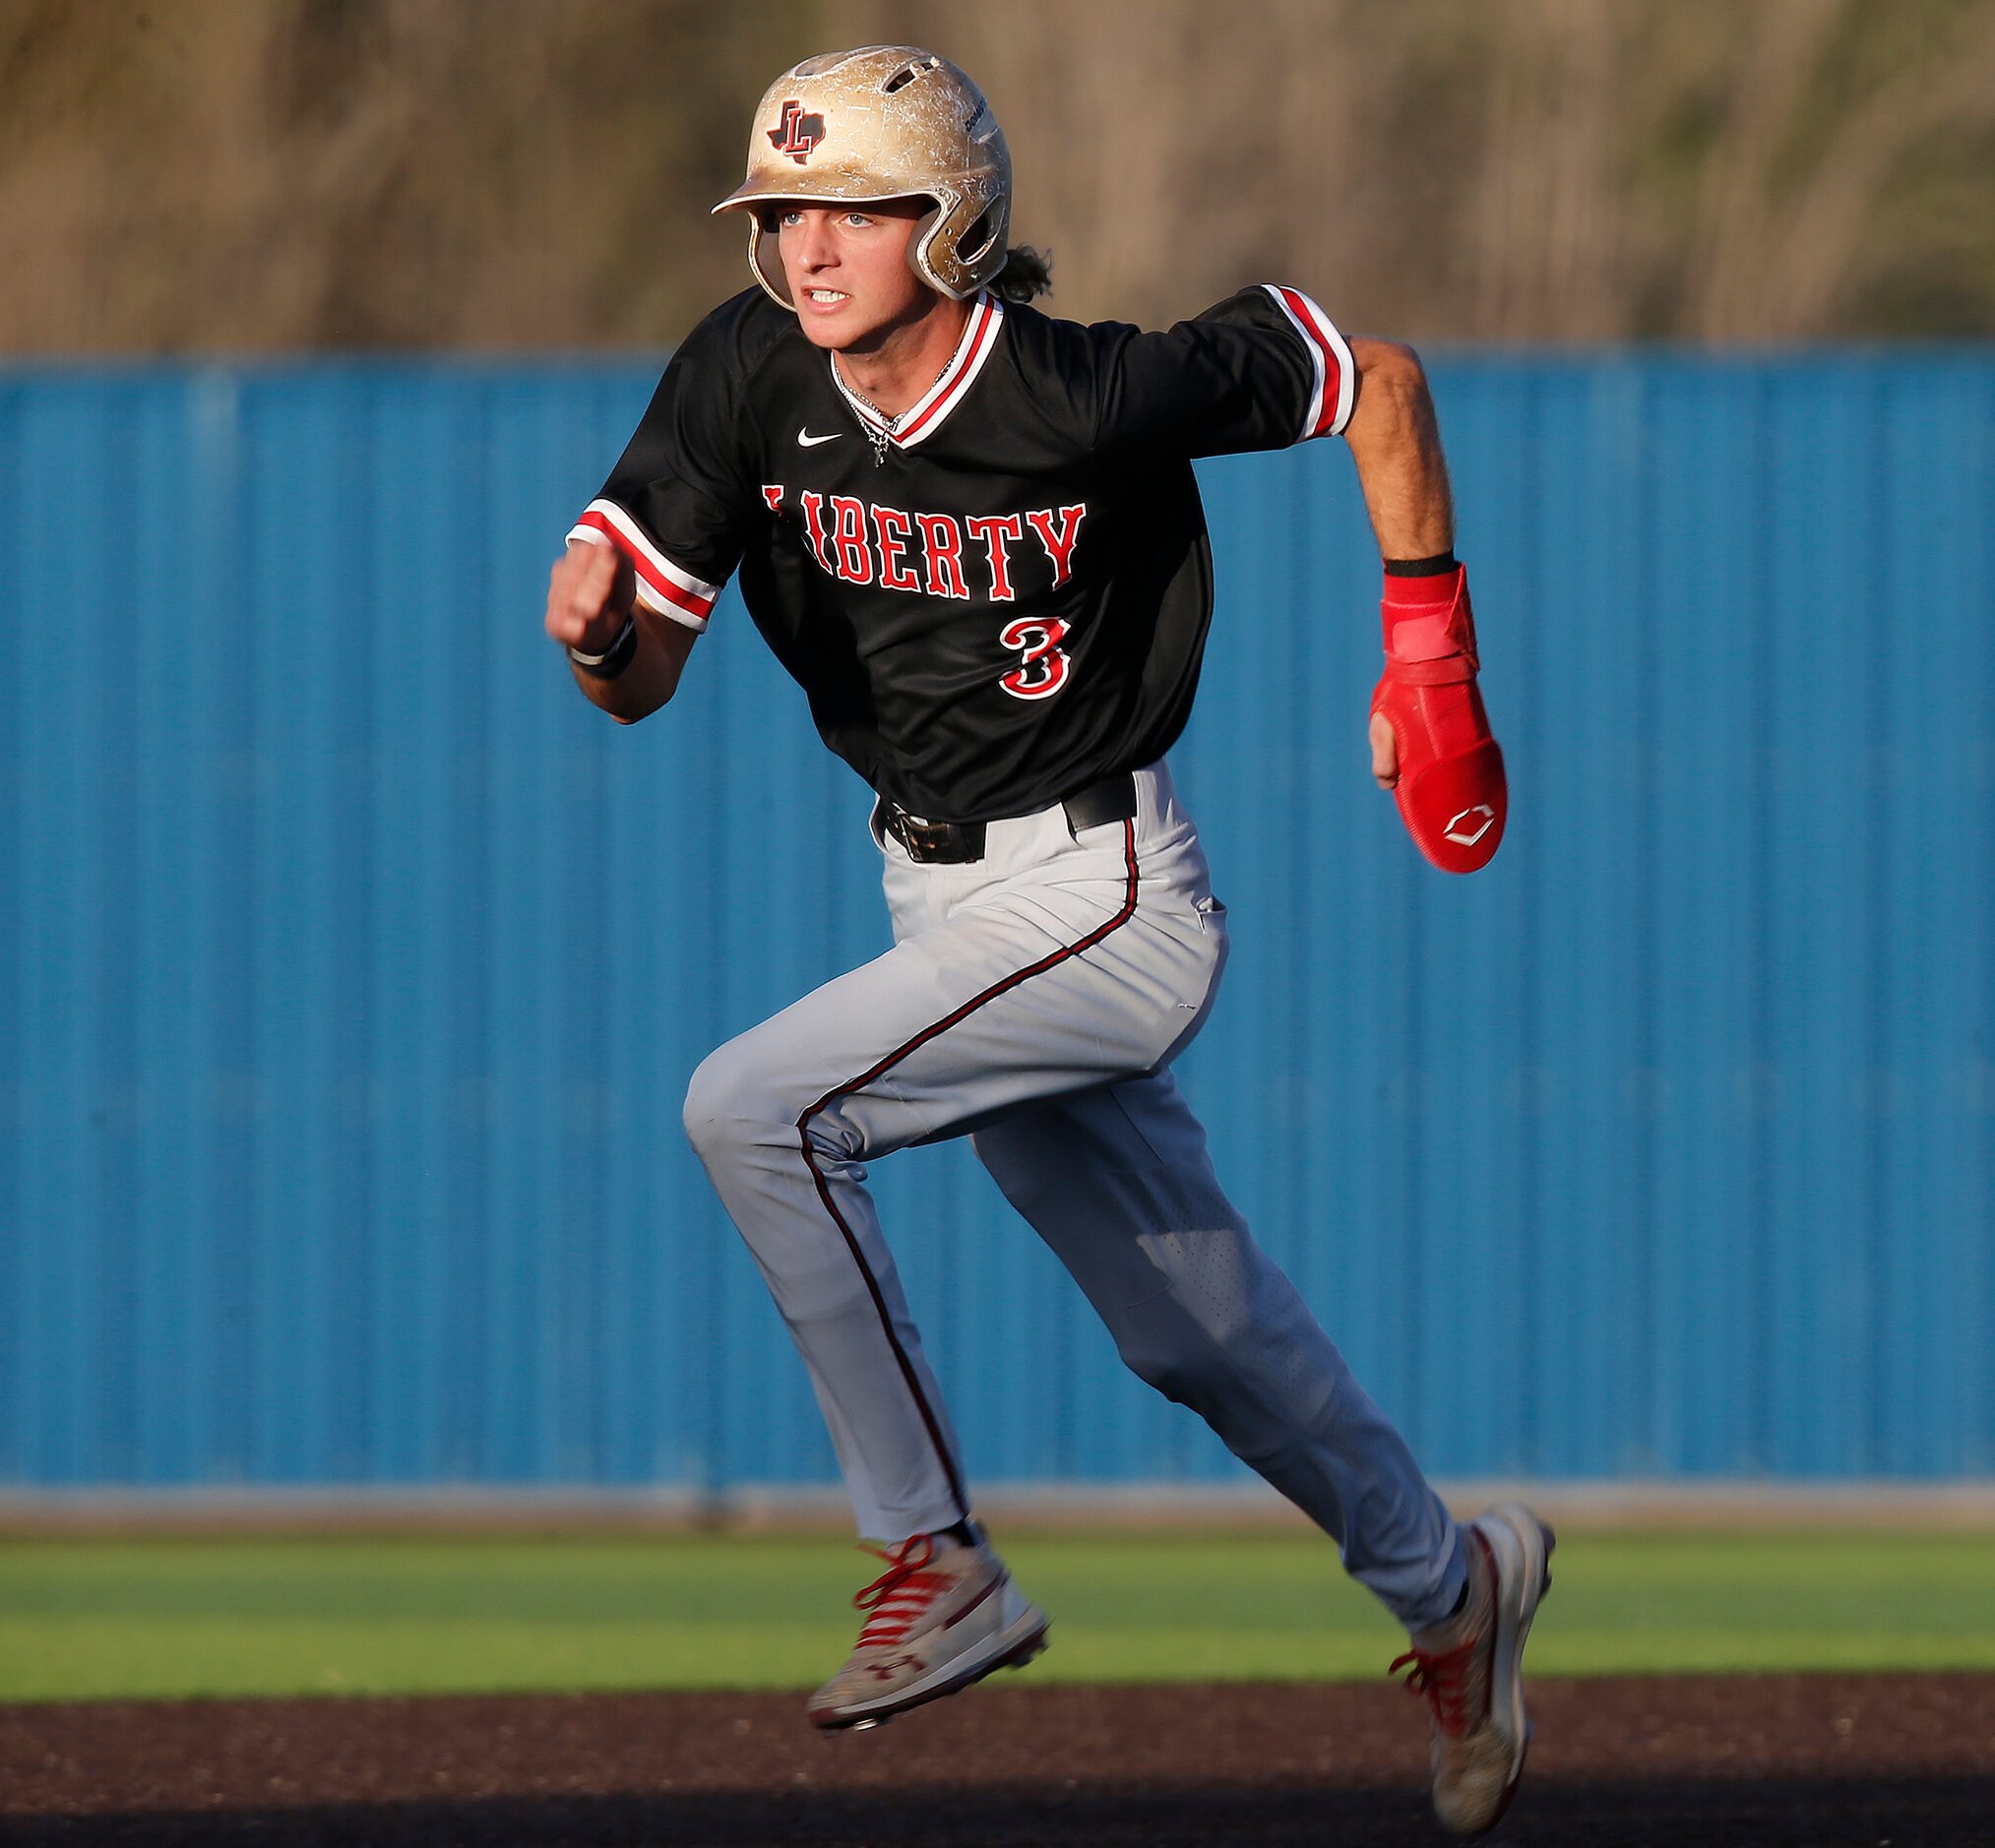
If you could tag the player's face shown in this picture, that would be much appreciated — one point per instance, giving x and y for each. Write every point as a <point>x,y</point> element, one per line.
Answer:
<point>848,270</point>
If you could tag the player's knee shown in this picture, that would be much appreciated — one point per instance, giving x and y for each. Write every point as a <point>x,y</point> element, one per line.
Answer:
<point>1178,1377</point>
<point>732,1104</point>
<point>1153,1347</point>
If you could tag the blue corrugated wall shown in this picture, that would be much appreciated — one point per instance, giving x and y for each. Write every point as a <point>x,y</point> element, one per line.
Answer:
<point>351,968</point>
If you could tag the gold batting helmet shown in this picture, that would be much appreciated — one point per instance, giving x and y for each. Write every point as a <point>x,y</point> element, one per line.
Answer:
<point>883,122</point>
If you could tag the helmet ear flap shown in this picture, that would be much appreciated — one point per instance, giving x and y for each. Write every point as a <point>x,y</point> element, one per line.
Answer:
<point>774,283</point>
<point>985,229</point>
<point>920,246</point>
<point>954,252</point>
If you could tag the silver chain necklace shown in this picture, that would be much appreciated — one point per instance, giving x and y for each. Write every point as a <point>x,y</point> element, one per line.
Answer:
<point>879,437</point>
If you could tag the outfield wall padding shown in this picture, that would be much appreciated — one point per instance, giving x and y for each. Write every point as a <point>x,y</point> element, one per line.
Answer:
<point>352,968</point>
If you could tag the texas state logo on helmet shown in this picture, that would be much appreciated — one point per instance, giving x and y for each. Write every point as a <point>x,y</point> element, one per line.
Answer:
<point>796,134</point>
<point>883,122</point>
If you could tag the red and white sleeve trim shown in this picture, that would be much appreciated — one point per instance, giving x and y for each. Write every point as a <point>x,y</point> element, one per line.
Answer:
<point>1336,373</point>
<point>662,586</point>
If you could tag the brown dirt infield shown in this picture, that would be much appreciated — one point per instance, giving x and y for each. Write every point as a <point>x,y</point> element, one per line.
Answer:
<point>1820,1760</point>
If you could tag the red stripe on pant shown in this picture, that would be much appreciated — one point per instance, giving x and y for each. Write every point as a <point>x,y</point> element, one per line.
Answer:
<point>893,1058</point>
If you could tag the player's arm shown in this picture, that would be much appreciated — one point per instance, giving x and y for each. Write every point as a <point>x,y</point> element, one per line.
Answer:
<point>1267,368</point>
<point>647,558</point>
<point>1430,738</point>
<point>634,656</point>
<point>1396,440</point>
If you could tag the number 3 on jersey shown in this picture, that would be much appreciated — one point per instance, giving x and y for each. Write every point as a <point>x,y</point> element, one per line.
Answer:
<point>1044,664</point>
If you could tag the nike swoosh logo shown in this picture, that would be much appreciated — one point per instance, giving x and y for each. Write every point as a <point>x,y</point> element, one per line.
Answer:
<point>804,439</point>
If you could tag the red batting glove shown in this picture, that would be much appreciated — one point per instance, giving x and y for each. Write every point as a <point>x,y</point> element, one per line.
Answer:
<point>1450,792</point>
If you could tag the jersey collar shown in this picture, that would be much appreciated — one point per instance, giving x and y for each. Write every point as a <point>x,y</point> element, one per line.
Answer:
<point>922,419</point>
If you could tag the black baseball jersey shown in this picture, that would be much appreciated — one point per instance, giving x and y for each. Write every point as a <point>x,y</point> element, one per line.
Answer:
<point>1003,594</point>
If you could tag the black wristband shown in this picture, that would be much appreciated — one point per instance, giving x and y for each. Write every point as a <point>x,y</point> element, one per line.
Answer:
<point>1435,567</point>
<point>614,658</point>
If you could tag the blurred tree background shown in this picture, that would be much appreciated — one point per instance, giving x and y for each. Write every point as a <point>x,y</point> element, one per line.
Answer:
<point>248,176</point>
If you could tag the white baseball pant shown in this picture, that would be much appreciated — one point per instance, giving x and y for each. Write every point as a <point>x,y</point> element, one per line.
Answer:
<point>1035,998</point>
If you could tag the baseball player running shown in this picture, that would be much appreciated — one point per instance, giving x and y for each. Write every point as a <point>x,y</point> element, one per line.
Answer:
<point>971,533</point>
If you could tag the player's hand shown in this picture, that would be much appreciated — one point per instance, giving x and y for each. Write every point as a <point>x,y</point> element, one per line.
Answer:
<point>1430,737</point>
<point>589,592</point>
<point>1385,752</point>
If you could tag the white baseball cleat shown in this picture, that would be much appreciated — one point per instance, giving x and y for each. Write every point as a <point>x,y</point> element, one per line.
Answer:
<point>1470,1669</point>
<point>943,1615</point>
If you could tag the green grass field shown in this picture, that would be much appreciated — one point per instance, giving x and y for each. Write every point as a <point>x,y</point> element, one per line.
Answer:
<point>159,1618</point>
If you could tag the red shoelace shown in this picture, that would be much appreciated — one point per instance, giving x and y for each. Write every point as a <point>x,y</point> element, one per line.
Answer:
<point>1441,1677</point>
<point>902,1593</point>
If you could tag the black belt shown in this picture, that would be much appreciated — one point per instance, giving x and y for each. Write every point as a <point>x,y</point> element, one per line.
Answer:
<point>952,843</point>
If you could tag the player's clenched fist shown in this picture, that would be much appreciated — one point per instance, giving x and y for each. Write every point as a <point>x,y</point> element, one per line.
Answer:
<point>590,593</point>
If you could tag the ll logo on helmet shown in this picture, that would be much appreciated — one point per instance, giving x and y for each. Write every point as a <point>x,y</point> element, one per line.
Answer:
<point>796,134</point>
<point>885,122</point>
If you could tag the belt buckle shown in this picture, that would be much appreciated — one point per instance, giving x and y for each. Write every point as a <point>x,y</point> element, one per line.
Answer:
<point>925,840</point>
<point>933,843</point>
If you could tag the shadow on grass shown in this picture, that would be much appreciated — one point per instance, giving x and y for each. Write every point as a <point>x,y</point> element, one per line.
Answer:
<point>1860,1812</point>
